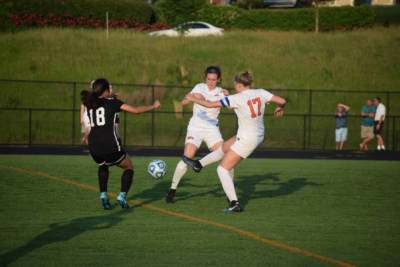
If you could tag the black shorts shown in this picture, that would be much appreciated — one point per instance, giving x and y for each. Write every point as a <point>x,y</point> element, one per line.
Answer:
<point>110,159</point>
<point>117,118</point>
<point>380,128</point>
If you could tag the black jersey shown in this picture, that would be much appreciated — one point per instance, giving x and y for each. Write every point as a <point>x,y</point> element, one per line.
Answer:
<point>103,137</point>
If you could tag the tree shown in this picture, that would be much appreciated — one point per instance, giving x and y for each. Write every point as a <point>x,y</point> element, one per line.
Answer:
<point>174,12</point>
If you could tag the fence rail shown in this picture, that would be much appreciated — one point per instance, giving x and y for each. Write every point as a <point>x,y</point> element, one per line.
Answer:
<point>307,124</point>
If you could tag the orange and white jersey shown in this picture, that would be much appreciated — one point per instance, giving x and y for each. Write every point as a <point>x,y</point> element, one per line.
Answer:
<point>205,117</point>
<point>249,107</point>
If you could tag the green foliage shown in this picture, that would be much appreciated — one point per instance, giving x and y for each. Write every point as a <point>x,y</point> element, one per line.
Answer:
<point>122,9</point>
<point>173,12</point>
<point>223,16</point>
<point>304,18</point>
<point>5,22</point>
<point>287,19</point>
<point>387,15</point>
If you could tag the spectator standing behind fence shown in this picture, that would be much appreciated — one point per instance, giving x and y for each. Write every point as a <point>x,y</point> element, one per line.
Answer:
<point>367,124</point>
<point>378,123</point>
<point>341,125</point>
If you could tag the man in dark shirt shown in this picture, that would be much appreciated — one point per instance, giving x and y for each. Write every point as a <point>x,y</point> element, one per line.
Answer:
<point>341,125</point>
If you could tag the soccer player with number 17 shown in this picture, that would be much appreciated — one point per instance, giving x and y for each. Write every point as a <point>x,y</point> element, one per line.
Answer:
<point>249,106</point>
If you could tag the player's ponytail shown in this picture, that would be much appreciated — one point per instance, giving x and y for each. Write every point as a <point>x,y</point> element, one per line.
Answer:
<point>245,78</point>
<point>90,98</point>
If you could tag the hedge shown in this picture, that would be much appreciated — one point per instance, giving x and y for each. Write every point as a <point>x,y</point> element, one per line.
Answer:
<point>288,19</point>
<point>137,10</point>
<point>387,15</point>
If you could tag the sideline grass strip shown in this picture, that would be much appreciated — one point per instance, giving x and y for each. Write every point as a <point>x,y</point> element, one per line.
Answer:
<point>228,227</point>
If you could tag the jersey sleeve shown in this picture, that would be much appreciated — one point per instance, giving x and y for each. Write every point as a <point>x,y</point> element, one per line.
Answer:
<point>364,109</point>
<point>196,89</point>
<point>116,104</point>
<point>267,96</point>
<point>231,101</point>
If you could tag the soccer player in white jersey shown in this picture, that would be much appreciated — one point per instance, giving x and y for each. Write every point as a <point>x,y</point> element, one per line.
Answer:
<point>203,125</point>
<point>249,106</point>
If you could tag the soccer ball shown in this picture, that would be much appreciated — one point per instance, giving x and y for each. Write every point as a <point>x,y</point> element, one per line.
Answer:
<point>157,168</point>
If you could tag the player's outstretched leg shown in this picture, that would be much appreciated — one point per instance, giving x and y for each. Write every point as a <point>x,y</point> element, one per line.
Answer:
<point>180,171</point>
<point>103,179</point>
<point>195,164</point>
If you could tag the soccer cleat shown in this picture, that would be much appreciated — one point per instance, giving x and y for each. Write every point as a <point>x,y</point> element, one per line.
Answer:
<point>170,196</point>
<point>122,202</point>
<point>195,164</point>
<point>105,203</point>
<point>234,206</point>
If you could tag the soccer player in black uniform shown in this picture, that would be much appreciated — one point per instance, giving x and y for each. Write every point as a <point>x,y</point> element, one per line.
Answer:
<point>104,144</point>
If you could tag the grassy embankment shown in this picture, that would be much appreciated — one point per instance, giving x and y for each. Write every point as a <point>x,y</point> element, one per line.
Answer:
<point>358,60</point>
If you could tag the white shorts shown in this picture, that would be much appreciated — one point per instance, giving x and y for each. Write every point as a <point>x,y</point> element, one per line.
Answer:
<point>86,123</point>
<point>210,136</point>
<point>244,146</point>
<point>341,134</point>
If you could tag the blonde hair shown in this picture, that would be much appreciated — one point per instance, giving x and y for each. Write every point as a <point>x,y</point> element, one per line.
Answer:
<point>245,78</point>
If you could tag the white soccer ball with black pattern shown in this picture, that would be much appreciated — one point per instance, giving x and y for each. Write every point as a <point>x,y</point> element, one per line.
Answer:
<point>157,168</point>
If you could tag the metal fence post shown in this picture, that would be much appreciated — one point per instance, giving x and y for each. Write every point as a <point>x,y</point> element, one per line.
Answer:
<point>30,126</point>
<point>309,117</point>
<point>387,114</point>
<point>304,131</point>
<point>152,117</point>
<point>394,134</point>
<point>73,112</point>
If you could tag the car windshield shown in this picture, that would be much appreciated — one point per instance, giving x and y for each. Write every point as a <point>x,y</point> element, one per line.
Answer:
<point>187,26</point>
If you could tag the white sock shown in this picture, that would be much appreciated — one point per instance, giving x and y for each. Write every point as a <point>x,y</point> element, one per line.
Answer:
<point>212,157</point>
<point>232,174</point>
<point>379,147</point>
<point>227,183</point>
<point>180,170</point>
<point>383,147</point>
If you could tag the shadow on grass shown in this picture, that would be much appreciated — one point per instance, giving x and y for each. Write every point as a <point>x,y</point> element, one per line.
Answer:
<point>247,186</point>
<point>60,232</point>
<point>160,190</point>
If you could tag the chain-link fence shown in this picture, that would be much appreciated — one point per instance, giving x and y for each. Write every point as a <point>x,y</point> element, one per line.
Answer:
<point>48,113</point>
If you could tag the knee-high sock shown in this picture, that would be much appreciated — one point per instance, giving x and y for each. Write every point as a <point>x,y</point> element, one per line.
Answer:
<point>103,178</point>
<point>232,174</point>
<point>126,180</point>
<point>180,170</point>
<point>212,157</point>
<point>227,183</point>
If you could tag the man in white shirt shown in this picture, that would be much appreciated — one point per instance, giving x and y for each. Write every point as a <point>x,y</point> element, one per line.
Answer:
<point>378,122</point>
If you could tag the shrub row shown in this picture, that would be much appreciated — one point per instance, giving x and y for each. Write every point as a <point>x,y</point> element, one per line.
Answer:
<point>288,19</point>
<point>137,10</point>
<point>39,20</point>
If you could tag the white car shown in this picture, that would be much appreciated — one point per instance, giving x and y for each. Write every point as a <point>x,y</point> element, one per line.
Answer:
<point>193,28</point>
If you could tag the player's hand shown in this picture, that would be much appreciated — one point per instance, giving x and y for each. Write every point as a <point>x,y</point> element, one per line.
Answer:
<point>82,122</point>
<point>225,92</point>
<point>371,115</point>
<point>378,127</point>
<point>156,104</point>
<point>278,112</point>
<point>188,98</point>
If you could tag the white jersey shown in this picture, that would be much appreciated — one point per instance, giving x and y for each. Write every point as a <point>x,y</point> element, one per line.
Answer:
<point>249,107</point>
<point>380,110</point>
<point>205,117</point>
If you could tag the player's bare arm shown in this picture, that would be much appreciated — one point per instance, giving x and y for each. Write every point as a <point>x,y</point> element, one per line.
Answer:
<point>203,102</point>
<point>185,101</point>
<point>281,102</point>
<point>140,109</point>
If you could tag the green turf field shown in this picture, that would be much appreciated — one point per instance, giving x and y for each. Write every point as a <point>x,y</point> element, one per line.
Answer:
<point>345,211</point>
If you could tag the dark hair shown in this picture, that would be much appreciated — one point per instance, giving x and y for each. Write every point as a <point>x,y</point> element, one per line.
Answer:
<point>378,98</point>
<point>245,78</point>
<point>98,87</point>
<point>213,69</point>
